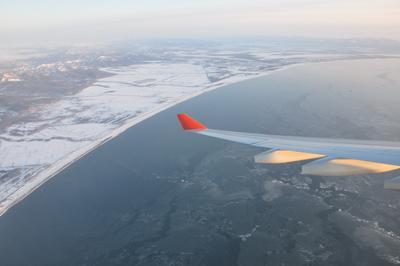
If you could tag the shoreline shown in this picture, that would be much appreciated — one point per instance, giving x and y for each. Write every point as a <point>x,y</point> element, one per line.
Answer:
<point>43,176</point>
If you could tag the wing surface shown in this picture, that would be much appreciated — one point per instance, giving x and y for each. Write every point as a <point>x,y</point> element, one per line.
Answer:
<point>335,157</point>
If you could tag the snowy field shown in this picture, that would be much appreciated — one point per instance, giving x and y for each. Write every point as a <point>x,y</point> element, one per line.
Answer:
<point>58,133</point>
<point>32,152</point>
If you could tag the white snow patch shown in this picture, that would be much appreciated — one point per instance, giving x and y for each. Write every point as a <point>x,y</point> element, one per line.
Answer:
<point>66,130</point>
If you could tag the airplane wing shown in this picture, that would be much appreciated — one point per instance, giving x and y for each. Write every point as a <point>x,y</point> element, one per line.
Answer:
<point>331,157</point>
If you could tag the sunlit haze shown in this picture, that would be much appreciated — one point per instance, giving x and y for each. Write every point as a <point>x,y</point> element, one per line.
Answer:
<point>92,21</point>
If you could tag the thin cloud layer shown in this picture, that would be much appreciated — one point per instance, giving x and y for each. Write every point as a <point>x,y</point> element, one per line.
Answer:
<point>92,21</point>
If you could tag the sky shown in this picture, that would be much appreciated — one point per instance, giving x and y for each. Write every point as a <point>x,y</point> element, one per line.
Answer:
<point>24,21</point>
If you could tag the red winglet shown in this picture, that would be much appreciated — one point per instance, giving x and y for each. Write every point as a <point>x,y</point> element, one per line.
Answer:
<point>189,123</point>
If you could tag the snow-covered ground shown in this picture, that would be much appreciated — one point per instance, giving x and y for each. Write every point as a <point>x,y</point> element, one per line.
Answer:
<point>60,132</point>
<point>63,131</point>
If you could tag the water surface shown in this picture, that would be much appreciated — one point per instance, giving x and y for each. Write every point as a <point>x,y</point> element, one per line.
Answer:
<point>156,195</point>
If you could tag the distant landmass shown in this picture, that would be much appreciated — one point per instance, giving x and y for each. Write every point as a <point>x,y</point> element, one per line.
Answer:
<point>58,104</point>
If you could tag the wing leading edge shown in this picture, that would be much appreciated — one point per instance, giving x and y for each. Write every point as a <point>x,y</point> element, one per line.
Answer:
<point>331,157</point>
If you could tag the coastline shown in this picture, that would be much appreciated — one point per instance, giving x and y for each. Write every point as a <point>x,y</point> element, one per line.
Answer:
<point>43,176</point>
<point>153,181</point>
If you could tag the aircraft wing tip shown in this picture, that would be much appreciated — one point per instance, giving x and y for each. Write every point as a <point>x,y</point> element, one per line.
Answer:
<point>189,123</point>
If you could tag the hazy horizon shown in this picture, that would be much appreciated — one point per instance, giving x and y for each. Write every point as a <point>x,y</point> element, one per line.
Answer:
<point>44,21</point>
